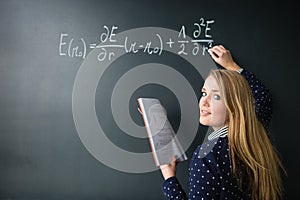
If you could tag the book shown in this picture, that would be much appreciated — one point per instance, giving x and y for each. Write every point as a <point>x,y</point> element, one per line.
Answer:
<point>163,141</point>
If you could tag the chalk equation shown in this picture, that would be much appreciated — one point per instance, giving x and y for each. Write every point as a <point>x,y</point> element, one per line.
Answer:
<point>110,41</point>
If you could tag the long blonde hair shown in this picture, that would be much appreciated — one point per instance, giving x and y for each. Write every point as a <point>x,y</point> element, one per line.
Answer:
<point>251,150</point>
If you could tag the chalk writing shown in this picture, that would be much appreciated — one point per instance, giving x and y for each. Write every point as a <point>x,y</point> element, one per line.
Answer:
<point>109,42</point>
<point>71,49</point>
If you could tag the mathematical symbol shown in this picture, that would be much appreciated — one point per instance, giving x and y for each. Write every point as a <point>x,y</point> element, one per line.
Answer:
<point>92,46</point>
<point>183,41</point>
<point>170,43</point>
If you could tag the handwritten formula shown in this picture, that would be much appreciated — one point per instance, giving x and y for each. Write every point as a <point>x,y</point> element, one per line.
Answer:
<point>109,42</point>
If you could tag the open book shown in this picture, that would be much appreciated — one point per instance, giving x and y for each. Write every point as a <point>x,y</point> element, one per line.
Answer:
<point>163,141</point>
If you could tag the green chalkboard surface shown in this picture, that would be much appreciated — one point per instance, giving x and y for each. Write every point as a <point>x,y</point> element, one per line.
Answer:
<point>71,73</point>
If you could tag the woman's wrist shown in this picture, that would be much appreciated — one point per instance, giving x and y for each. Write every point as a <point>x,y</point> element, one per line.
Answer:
<point>234,67</point>
<point>167,172</point>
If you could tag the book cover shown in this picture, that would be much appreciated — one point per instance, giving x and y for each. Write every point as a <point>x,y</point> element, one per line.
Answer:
<point>163,141</point>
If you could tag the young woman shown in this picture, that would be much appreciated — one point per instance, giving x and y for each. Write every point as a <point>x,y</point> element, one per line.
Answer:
<point>238,161</point>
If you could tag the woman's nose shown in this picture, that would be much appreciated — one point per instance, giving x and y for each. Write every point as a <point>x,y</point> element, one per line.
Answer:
<point>204,101</point>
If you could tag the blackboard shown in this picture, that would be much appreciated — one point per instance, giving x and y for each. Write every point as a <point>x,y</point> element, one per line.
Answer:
<point>59,59</point>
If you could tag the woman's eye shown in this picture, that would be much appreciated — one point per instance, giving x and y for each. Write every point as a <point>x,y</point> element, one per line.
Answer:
<point>204,94</point>
<point>217,97</point>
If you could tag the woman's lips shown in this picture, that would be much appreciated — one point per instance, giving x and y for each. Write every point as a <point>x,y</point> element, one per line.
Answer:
<point>204,113</point>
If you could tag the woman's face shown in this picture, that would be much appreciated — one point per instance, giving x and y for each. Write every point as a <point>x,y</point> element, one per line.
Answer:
<point>211,105</point>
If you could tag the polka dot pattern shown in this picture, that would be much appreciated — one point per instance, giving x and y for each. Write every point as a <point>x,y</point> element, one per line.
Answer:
<point>262,97</point>
<point>210,175</point>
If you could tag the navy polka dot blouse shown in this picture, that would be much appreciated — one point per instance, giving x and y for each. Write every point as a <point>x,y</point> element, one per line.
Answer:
<point>210,175</point>
<point>262,98</point>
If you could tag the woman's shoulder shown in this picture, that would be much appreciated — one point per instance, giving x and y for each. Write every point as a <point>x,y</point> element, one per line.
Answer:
<point>214,148</point>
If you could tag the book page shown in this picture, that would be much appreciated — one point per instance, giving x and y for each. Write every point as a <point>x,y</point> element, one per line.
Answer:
<point>163,140</point>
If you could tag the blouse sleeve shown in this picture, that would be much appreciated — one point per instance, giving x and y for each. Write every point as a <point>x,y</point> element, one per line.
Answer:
<point>173,190</point>
<point>204,180</point>
<point>262,98</point>
<point>209,175</point>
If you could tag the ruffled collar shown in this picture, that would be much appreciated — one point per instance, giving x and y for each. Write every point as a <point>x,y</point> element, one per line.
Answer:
<point>222,132</point>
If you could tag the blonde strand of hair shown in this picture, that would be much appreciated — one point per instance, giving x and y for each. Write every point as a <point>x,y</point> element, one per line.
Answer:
<point>248,140</point>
